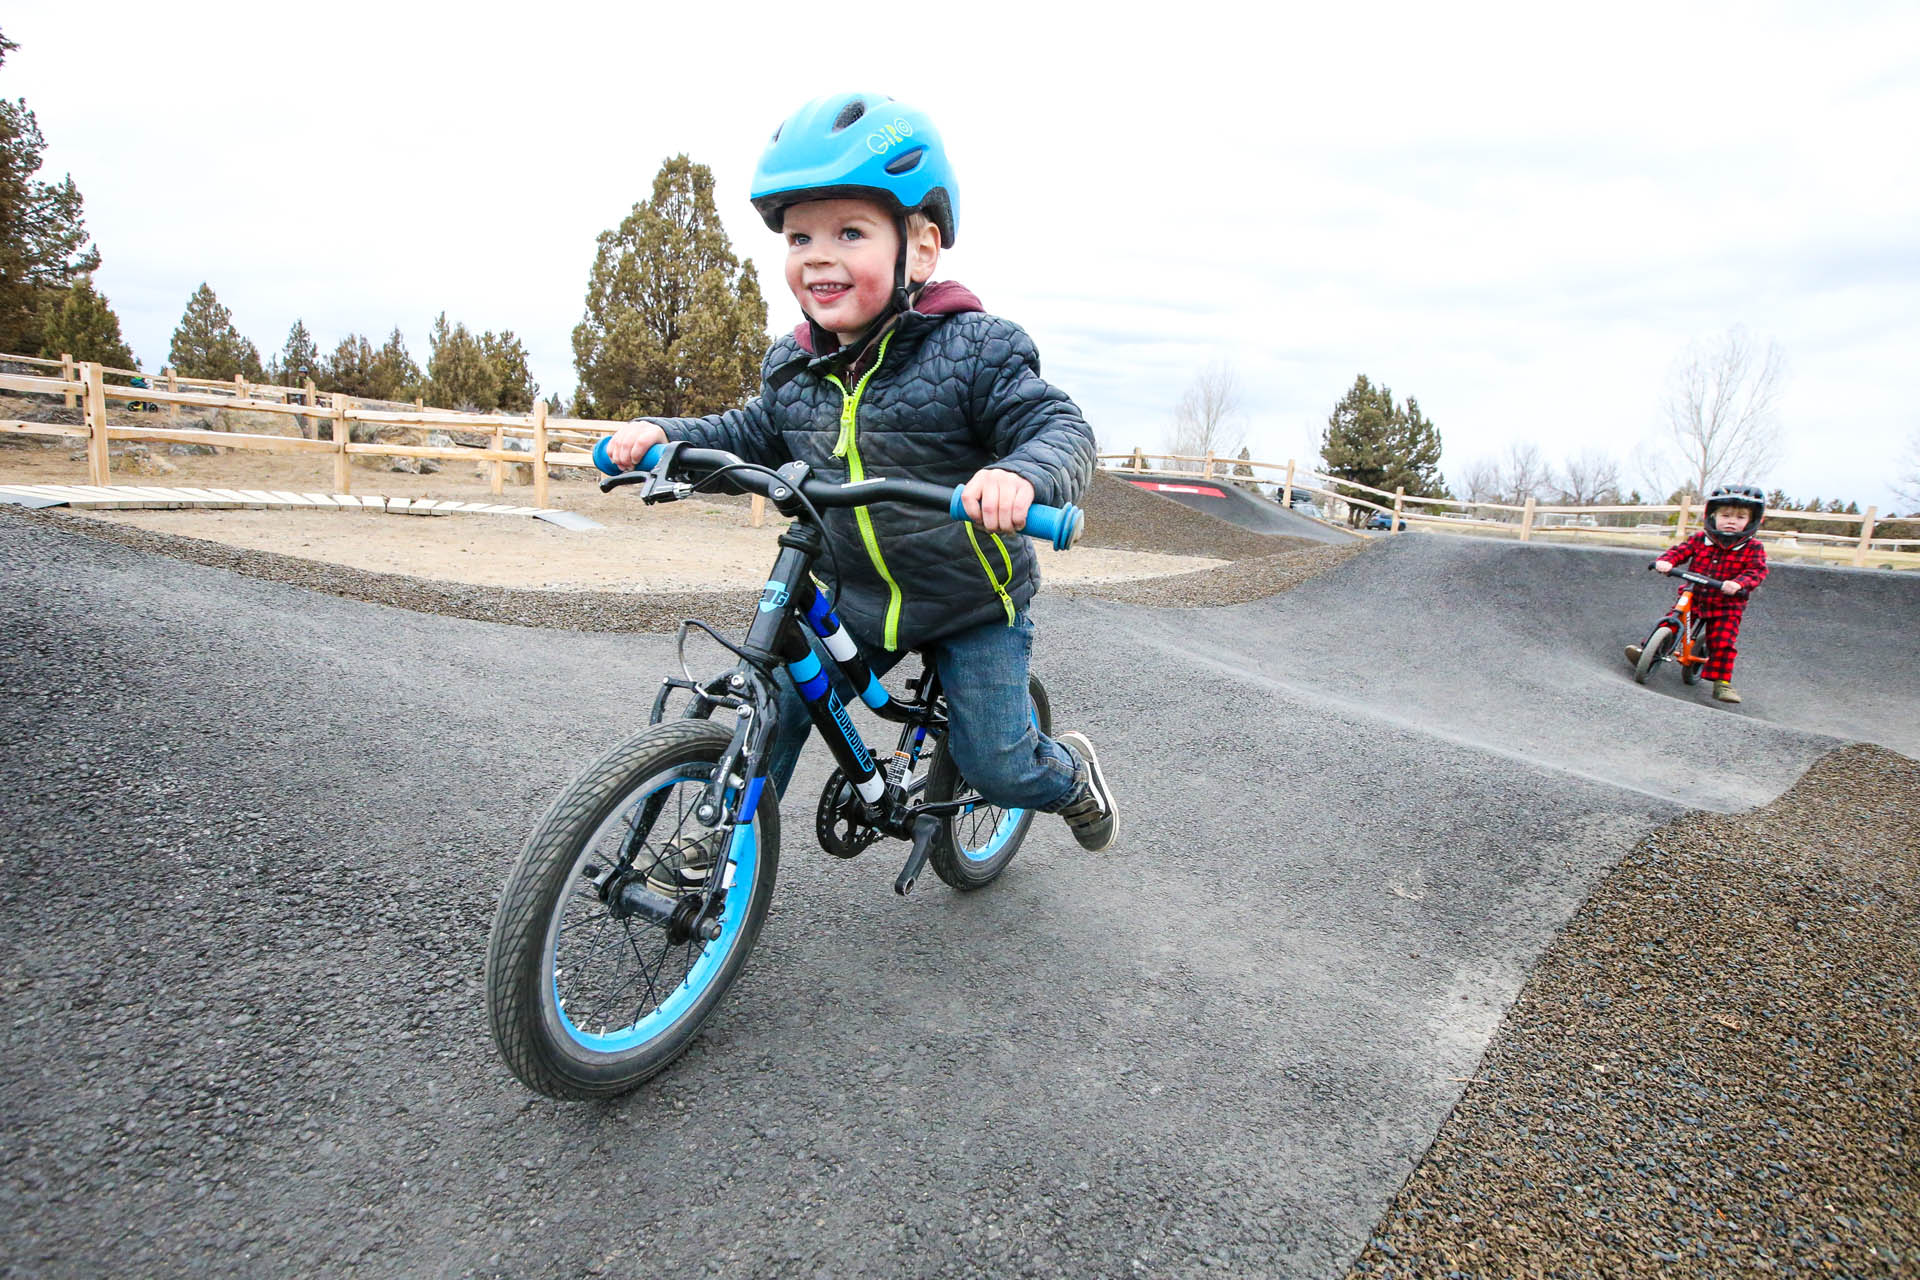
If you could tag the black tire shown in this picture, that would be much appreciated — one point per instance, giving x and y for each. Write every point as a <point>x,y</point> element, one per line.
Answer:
<point>974,847</point>
<point>552,926</point>
<point>1652,651</point>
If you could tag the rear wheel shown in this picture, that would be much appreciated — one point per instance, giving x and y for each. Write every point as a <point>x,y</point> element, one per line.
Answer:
<point>976,843</point>
<point>1652,651</point>
<point>600,968</point>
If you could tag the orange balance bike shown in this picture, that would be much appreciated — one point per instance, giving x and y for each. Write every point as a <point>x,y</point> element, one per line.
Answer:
<point>1681,636</point>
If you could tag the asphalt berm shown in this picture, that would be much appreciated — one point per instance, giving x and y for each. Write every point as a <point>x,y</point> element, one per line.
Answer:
<point>1433,946</point>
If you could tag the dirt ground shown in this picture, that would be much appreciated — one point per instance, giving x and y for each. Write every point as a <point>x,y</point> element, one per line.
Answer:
<point>697,543</point>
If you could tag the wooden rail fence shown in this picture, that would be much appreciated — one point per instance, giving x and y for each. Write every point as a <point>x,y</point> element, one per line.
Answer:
<point>1405,508</point>
<point>551,442</point>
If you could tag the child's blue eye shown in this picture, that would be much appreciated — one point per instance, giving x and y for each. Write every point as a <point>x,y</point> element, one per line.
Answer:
<point>850,233</point>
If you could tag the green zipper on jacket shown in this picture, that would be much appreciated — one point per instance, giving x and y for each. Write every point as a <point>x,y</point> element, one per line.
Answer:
<point>999,587</point>
<point>848,447</point>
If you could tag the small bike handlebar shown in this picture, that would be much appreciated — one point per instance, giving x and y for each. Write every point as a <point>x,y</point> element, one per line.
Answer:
<point>1059,526</point>
<point>1697,579</point>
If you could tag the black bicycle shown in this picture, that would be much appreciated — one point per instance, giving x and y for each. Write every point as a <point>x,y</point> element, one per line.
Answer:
<point>640,893</point>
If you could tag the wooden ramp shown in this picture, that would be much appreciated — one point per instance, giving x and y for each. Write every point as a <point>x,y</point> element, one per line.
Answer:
<point>158,497</point>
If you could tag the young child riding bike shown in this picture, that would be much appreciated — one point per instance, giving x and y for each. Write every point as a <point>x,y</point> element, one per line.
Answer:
<point>891,375</point>
<point>1728,550</point>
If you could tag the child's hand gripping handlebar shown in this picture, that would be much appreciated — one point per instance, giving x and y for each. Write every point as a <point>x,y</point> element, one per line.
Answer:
<point>1057,525</point>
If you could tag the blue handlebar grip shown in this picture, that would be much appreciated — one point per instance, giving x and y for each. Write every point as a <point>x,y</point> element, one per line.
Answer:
<point>1058,525</point>
<point>603,460</point>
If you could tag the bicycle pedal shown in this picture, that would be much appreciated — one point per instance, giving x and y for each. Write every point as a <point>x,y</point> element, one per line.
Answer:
<point>926,829</point>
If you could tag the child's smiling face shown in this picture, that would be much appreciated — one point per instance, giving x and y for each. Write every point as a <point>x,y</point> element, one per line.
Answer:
<point>840,256</point>
<point>1731,519</point>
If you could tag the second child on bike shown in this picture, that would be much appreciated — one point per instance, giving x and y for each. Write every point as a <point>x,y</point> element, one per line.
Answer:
<point>1726,549</point>
<point>891,375</point>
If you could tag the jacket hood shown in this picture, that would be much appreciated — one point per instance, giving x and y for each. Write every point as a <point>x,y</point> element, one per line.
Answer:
<point>941,298</point>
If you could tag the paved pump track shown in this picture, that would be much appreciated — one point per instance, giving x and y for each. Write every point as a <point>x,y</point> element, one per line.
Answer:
<point>256,834</point>
<point>1242,507</point>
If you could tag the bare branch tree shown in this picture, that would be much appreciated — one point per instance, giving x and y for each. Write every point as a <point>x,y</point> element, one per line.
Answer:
<point>1524,474</point>
<point>1590,478</point>
<point>1908,484</point>
<point>1207,419</point>
<point>1480,482</point>
<point>1720,409</point>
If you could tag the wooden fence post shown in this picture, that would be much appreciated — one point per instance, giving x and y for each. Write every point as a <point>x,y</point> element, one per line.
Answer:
<point>1526,520</point>
<point>342,433</point>
<point>1866,537</point>
<point>1399,497</point>
<point>96,415</point>
<point>67,398</point>
<point>313,395</point>
<point>540,454</point>
<point>1207,470</point>
<point>1139,462</point>
<point>1287,501</point>
<point>173,384</point>
<point>1680,531</point>
<point>499,480</point>
<point>758,511</point>
<point>240,386</point>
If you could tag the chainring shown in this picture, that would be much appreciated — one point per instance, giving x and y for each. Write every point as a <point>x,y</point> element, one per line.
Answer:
<point>840,821</point>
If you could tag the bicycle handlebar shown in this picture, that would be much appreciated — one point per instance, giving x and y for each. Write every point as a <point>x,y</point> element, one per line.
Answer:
<point>1697,579</point>
<point>1059,526</point>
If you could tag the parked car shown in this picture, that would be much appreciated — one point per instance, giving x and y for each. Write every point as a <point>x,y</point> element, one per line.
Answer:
<point>1384,520</point>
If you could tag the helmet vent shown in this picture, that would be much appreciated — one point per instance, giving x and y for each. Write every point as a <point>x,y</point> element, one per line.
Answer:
<point>848,114</point>
<point>778,130</point>
<point>906,161</point>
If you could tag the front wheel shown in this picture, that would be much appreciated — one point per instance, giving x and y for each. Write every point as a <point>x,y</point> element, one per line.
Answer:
<point>1650,653</point>
<point>587,996</point>
<point>977,842</point>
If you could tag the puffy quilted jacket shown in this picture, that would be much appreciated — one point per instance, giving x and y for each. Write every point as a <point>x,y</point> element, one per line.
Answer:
<point>952,390</point>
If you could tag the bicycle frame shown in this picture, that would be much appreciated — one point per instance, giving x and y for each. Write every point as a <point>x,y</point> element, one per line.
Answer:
<point>1684,620</point>
<point>791,608</point>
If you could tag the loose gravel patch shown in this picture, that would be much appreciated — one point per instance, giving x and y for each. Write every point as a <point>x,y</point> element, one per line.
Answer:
<point>1713,1071</point>
<point>1119,516</point>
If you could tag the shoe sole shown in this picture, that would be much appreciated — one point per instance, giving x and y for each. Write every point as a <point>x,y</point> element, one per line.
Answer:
<point>1098,781</point>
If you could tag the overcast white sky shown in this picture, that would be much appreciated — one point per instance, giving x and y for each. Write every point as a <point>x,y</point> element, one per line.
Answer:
<point>1520,214</point>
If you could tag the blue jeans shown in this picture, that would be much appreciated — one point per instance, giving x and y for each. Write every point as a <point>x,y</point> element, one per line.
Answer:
<point>983,673</point>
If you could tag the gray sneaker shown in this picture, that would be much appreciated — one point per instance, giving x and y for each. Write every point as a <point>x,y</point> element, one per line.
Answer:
<point>684,864</point>
<point>1089,810</point>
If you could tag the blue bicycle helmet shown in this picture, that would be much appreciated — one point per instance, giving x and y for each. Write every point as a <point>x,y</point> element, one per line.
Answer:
<point>861,145</point>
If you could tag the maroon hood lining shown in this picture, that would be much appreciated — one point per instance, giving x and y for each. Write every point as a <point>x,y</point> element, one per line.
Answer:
<point>941,298</point>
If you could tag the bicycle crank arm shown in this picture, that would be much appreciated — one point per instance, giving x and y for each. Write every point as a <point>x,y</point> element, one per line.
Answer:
<point>926,829</point>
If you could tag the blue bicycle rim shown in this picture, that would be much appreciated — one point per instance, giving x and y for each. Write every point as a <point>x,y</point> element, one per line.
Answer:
<point>743,855</point>
<point>1008,821</point>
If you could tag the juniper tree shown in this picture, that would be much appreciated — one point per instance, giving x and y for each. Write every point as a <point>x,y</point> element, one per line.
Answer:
<point>395,375</point>
<point>459,374</point>
<point>674,322</point>
<point>44,245</point>
<point>1370,440</point>
<point>206,345</point>
<point>349,370</point>
<point>509,360</point>
<point>83,325</point>
<point>299,359</point>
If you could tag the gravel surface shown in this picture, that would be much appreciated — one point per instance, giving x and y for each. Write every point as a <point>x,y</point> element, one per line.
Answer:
<point>256,836</point>
<point>1715,1070</point>
<point>1119,516</point>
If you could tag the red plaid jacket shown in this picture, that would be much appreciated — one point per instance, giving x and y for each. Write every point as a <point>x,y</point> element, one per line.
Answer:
<point>1745,564</point>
